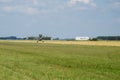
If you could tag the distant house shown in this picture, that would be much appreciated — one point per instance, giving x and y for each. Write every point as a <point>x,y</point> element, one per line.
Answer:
<point>82,38</point>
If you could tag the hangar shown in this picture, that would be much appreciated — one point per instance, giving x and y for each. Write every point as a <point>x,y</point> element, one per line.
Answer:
<point>82,38</point>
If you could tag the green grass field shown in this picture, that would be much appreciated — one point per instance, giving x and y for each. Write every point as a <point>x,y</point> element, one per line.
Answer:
<point>43,61</point>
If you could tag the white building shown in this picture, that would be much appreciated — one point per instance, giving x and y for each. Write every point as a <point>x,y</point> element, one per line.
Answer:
<point>82,38</point>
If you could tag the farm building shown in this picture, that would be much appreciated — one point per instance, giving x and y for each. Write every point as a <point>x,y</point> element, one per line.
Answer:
<point>82,38</point>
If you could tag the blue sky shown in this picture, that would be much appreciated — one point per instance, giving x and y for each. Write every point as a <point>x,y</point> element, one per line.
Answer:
<point>60,18</point>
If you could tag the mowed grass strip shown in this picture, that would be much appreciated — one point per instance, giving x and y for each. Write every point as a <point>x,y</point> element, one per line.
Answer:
<point>32,61</point>
<point>93,43</point>
<point>96,43</point>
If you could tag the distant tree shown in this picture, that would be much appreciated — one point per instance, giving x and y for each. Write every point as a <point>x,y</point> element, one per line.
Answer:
<point>24,38</point>
<point>31,38</point>
<point>46,38</point>
<point>93,39</point>
<point>108,37</point>
<point>9,38</point>
<point>56,39</point>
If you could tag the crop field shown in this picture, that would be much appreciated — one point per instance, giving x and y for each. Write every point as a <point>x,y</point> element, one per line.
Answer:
<point>59,60</point>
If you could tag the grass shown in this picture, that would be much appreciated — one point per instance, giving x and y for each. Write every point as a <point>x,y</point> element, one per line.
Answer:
<point>94,43</point>
<point>31,61</point>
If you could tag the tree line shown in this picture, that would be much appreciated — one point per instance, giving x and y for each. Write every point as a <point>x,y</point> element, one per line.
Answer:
<point>108,37</point>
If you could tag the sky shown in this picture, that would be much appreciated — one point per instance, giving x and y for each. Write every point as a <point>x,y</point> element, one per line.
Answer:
<point>60,18</point>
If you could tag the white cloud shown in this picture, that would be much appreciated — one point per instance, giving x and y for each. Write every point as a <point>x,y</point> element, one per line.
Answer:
<point>35,2</point>
<point>117,20</point>
<point>5,1</point>
<point>116,4</point>
<point>8,8</point>
<point>83,1</point>
<point>33,7</point>
<point>81,8</point>
<point>81,4</point>
<point>21,9</point>
<point>93,4</point>
<point>30,7</point>
<point>1,15</point>
<point>30,10</point>
<point>87,2</point>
